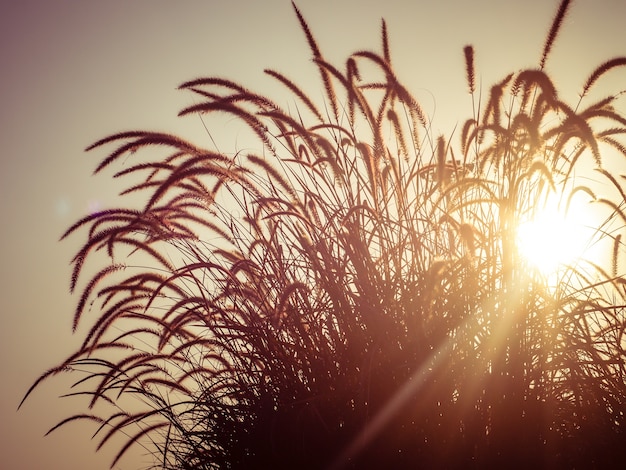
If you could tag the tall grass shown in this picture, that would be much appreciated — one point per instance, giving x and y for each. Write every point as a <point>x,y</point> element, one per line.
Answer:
<point>352,295</point>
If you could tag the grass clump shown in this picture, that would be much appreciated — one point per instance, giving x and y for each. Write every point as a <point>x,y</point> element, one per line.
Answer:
<point>352,295</point>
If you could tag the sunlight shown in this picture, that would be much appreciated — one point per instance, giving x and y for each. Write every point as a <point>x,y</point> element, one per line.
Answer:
<point>553,239</point>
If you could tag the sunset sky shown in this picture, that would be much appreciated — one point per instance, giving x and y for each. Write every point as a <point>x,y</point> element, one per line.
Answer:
<point>75,71</point>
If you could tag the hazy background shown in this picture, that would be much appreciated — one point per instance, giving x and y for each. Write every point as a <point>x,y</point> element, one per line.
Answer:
<point>72,72</point>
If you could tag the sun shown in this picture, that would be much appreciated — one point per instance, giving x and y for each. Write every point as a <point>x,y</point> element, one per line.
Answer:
<point>552,239</point>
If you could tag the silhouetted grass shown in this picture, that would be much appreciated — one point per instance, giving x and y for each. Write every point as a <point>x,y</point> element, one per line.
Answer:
<point>352,295</point>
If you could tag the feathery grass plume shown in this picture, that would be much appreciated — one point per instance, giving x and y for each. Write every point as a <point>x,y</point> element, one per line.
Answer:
<point>468,51</point>
<point>611,179</point>
<point>527,80</point>
<point>554,30</point>
<point>297,91</point>
<point>317,56</point>
<point>601,70</point>
<point>620,147</point>
<point>399,132</point>
<point>441,160</point>
<point>467,135</point>
<point>351,293</point>
<point>493,108</point>
<point>385,41</point>
<point>617,244</point>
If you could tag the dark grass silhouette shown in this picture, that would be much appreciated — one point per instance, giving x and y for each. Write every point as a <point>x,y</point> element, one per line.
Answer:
<point>352,295</point>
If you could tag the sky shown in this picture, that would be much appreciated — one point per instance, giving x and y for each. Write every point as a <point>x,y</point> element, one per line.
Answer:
<point>76,71</point>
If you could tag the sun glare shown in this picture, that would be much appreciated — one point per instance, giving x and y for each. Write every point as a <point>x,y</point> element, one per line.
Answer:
<point>553,239</point>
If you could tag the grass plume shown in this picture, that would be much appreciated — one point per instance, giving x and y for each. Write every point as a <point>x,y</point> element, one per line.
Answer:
<point>554,30</point>
<point>468,51</point>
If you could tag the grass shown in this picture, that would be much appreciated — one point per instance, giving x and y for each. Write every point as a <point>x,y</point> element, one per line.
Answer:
<point>352,294</point>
